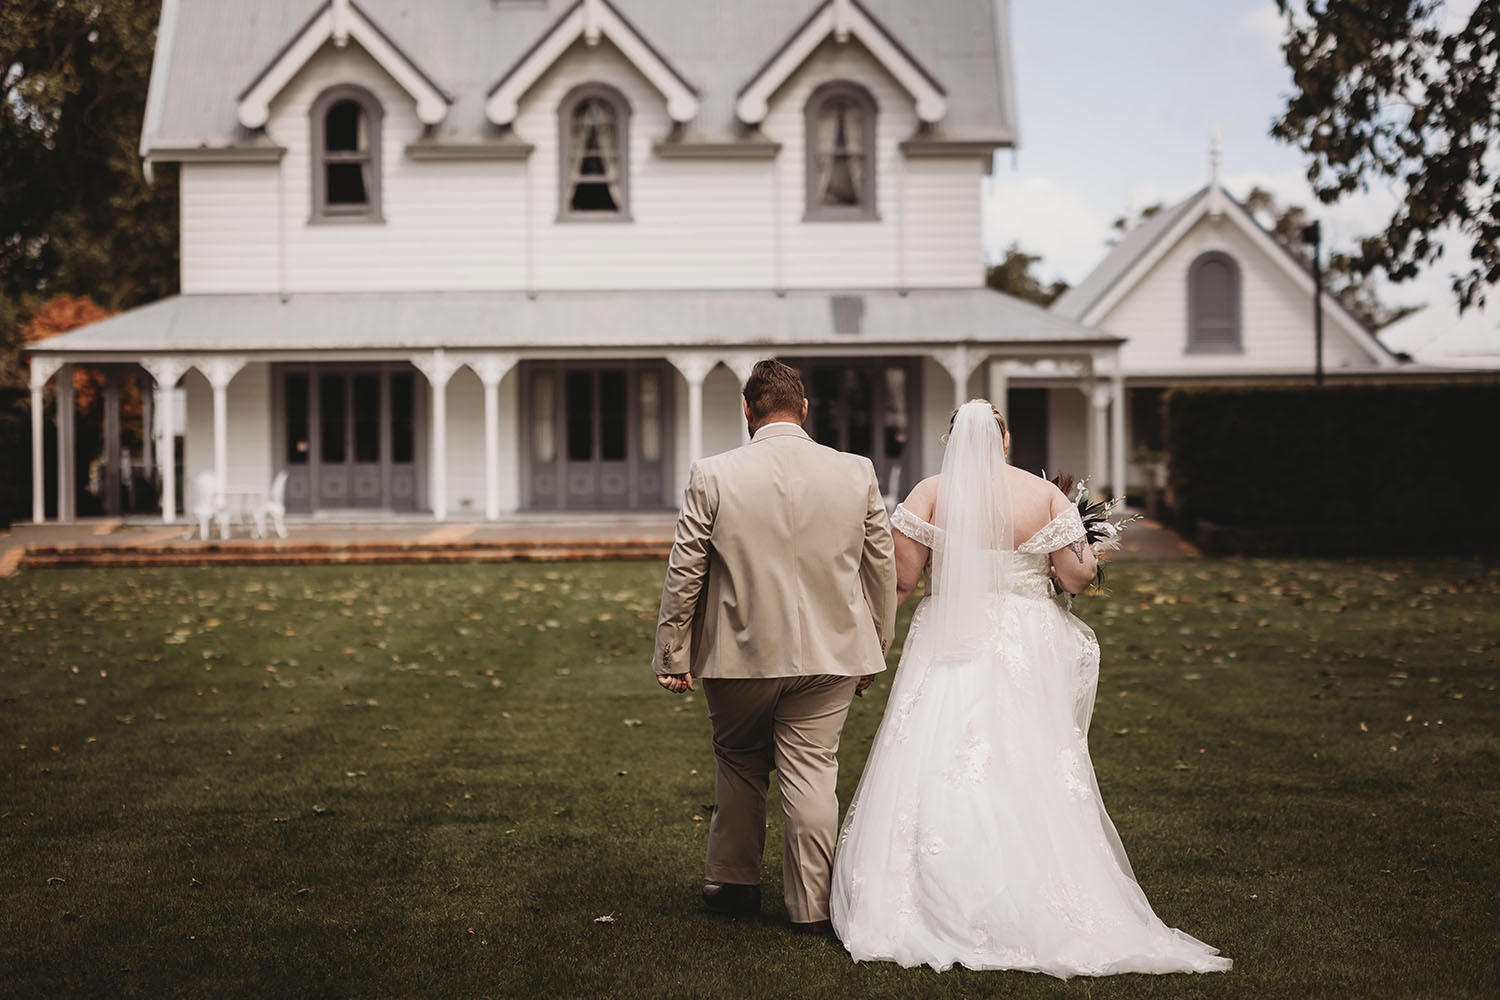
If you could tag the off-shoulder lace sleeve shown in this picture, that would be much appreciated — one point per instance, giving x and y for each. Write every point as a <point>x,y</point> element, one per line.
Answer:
<point>1063,530</point>
<point>913,527</point>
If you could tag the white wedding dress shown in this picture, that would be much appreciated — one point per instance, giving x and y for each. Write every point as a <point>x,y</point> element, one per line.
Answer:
<point>977,835</point>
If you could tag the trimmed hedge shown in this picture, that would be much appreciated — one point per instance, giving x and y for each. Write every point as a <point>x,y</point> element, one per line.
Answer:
<point>1345,469</point>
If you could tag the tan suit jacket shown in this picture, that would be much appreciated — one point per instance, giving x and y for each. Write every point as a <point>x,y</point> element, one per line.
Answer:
<point>782,565</point>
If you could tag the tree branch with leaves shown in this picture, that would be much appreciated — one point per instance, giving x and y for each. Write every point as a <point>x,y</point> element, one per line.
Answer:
<point>1382,92</point>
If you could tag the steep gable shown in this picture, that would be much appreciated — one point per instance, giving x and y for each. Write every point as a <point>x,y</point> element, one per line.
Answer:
<point>211,51</point>
<point>591,20</point>
<point>340,22</point>
<point>1141,291</point>
<point>842,20</point>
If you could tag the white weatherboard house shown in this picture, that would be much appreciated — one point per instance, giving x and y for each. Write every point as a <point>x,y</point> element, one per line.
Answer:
<point>484,256</point>
<point>1203,294</point>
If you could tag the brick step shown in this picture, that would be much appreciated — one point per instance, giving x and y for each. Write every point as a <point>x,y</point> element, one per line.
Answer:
<point>311,554</point>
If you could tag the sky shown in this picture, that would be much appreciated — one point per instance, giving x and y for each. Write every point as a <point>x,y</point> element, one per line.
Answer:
<point>1118,104</point>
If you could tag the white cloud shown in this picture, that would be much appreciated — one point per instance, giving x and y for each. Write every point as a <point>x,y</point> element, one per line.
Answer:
<point>1044,217</point>
<point>1454,14</point>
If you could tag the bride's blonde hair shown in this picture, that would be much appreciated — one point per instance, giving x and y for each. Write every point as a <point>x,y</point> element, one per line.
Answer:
<point>999,420</point>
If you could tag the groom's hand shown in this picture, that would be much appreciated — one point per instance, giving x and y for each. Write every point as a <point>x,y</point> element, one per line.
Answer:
<point>864,682</point>
<point>675,683</point>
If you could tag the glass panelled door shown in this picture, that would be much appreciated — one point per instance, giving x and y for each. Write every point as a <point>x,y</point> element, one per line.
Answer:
<point>1026,417</point>
<point>868,408</point>
<point>350,408</point>
<point>596,436</point>
<point>349,438</point>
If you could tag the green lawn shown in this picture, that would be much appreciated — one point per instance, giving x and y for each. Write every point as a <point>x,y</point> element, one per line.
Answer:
<point>461,781</point>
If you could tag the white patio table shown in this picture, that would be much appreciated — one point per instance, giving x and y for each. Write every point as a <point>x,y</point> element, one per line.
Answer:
<point>241,503</point>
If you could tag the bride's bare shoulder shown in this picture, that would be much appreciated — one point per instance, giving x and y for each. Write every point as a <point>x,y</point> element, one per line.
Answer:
<point>1031,484</point>
<point>1037,497</point>
<point>922,499</point>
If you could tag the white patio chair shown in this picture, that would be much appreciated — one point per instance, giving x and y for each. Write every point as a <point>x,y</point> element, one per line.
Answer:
<point>208,506</point>
<point>273,508</point>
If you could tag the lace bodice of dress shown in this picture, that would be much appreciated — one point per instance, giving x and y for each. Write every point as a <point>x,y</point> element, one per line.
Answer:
<point>1030,572</point>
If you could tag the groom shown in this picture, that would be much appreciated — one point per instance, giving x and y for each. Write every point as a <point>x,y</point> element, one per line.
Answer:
<point>781,595</point>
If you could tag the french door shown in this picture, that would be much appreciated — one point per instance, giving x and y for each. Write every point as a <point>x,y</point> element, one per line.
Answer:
<point>1026,416</point>
<point>349,437</point>
<point>869,408</point>
<point>596,435</point>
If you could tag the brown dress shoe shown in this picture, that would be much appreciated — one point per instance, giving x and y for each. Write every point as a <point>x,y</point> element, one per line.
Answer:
<point>735,900</point>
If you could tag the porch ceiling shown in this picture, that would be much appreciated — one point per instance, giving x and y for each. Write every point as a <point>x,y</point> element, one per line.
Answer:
<point>407,321</point>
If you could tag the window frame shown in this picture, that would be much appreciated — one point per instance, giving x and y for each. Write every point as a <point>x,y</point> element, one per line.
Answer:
<point>867,210</point>
<point>593,90</point>
<point>373,212</point>
<point>1195,342</point>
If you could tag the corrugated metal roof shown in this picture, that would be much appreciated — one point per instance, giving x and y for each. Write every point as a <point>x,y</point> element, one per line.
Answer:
<point>1137,243</point>
<point>218,47</point>
<point>565,321</point>
<point>1440,335</point>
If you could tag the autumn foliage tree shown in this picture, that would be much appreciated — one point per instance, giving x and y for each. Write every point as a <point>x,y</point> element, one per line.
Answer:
<point>77,216</point>
<point>68,312</point>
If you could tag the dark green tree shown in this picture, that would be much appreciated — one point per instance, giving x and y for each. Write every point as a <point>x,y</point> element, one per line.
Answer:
<point>1125,223</point>
<point>77,216</point>
<point>1013,276</point>
<point>1382,93</point>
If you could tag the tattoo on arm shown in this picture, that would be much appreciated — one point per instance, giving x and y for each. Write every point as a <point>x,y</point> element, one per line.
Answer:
<point>1078,547</point>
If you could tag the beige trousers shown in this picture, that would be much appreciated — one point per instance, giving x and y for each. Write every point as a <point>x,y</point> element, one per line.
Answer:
<point>791,724</point>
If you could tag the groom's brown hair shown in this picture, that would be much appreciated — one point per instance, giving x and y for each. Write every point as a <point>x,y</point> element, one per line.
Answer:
<point>774,388</point>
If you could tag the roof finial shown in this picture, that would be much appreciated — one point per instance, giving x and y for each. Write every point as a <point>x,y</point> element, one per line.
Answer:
<point>340,10</point>
<point>593,18</point>
<point>1214,149</point>
<point>842,18</point>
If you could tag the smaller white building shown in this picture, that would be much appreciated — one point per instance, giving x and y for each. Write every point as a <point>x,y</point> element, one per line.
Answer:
<point>1203,294</point>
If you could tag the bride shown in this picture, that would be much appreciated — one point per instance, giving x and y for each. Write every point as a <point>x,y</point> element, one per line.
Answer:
<point>978,835</point>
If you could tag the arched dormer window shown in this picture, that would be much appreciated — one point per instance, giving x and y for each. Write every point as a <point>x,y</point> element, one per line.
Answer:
<point>346,155</point>
<point>1214,304</point>
<point>841,152</point>
<point>594,153</point>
